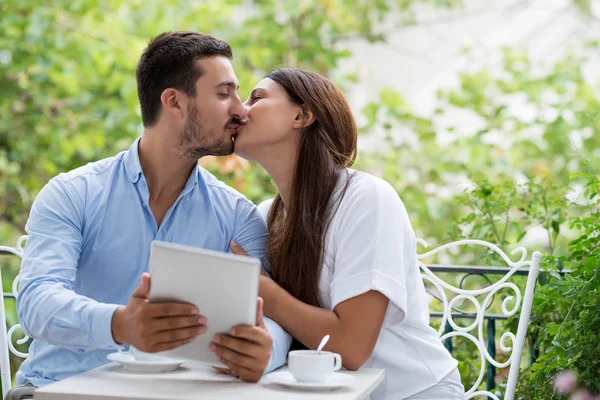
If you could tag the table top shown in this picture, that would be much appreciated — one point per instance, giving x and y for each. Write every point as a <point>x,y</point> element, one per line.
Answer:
<point>194,381</point>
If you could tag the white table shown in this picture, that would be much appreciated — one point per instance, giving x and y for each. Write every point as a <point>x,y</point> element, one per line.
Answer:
<point>193,381</point>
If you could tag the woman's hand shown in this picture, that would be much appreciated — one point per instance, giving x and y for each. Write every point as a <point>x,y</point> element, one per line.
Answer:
<point>236,249</point>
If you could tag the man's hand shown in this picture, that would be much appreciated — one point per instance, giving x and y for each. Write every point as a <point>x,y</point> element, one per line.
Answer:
<point>154,327</point>
<point>246,350</point>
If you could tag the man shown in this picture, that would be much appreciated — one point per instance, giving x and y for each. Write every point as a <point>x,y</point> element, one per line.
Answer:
<point>90,229</point>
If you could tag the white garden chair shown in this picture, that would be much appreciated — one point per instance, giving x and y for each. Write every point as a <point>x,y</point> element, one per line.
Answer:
<point>451,295</point>
<point>6,343</point>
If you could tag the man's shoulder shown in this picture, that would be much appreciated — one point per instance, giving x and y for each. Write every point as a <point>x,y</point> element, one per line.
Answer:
<point>94,169</point>
<point>221,190</point>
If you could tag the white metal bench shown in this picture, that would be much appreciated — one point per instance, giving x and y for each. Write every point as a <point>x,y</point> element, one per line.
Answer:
<point>450,295</point>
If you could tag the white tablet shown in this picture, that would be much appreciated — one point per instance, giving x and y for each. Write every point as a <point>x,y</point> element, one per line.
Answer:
<point>223,286</point>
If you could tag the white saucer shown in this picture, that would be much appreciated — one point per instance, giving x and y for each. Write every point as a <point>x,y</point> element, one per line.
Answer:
<point>161,364</point>
<point>336,381</point>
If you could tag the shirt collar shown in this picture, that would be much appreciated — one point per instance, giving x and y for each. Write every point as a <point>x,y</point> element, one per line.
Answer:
<point>134,171</point>
<point>131,161</point>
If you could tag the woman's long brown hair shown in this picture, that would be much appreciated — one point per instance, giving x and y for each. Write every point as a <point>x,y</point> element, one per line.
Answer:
<point>327,147</point>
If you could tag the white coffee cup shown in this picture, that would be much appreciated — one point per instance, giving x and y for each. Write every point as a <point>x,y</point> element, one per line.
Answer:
<point>313,366</point>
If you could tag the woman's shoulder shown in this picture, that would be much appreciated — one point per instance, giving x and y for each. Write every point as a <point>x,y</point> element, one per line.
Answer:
<point>354,188</point>
<point>363,187</point>
<point>370,197</point>
<point>264,207</point>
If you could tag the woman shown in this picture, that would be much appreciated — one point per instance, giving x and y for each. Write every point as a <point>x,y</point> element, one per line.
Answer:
<point>342,249</point>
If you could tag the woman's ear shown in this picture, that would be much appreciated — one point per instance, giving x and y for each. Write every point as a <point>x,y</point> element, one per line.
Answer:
<point>304,117</point>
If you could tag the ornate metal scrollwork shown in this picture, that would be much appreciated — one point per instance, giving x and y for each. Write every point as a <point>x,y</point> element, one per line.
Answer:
<point>18,251</point>
<point>451,297</point>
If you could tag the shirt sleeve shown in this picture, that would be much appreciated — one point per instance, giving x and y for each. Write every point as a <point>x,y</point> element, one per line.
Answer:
<point>263,209</point>
<point>281,344</point>
<point>374,244</point>
<point>250,229</point>
<point>48,307</point>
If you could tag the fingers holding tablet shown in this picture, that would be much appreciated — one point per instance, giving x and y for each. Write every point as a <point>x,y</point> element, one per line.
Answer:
<point>245,359</point>
<point>246,350</point>
<point>154,327</point>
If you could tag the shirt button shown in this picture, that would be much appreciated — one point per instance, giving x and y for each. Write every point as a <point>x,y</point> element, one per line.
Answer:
<point>142,184</point>
<point>81,350</point>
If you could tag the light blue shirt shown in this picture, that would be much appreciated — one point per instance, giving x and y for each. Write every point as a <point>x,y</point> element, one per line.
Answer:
<point>89,242</point>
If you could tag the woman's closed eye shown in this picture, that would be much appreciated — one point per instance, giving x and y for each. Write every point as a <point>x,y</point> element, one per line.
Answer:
<point>223,95</point>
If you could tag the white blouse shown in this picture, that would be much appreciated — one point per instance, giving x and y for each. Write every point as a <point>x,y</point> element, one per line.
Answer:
<point>370,245</point>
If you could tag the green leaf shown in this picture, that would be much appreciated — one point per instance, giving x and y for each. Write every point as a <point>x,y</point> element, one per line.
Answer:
<point>556,226</point>
<point>392,99</point>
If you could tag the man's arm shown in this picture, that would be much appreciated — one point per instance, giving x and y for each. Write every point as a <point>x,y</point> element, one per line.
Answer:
<point>47,306</point>
<point>51,311</point>
<point>281,344</point>
<point>250,231</point>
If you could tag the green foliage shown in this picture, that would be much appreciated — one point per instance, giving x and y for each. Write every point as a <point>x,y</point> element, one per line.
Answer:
<point>565,323</point>
<point>566,319</point>
<point>67,74</point>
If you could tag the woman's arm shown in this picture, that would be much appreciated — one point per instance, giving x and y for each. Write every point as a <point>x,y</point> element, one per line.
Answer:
<point>353,324</point>
<point>374,247</point>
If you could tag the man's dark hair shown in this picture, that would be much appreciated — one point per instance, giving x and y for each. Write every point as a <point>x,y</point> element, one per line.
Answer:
<point>169,62</point>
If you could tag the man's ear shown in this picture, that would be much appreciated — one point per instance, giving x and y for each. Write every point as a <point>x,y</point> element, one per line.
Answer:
<point>304,118</point>
<point>172,100</point>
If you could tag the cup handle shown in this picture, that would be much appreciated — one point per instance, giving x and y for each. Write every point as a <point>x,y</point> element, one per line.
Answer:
<point>337,362</point>
<point>122,350</point>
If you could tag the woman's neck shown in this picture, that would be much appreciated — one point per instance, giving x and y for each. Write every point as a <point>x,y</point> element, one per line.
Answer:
<point>280,164</point>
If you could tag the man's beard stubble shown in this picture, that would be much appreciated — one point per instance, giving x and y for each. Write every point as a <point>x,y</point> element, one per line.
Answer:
<point>196,140</point>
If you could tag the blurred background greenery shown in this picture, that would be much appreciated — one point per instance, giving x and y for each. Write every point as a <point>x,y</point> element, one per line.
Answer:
<point>68,96</point>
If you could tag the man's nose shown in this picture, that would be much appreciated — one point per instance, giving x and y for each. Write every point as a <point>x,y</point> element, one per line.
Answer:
<point>240,111</point>
<point>241,116</point>
<point>245,118</point>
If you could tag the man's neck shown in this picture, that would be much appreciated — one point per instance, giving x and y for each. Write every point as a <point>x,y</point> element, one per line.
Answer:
<point>165,172</point>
